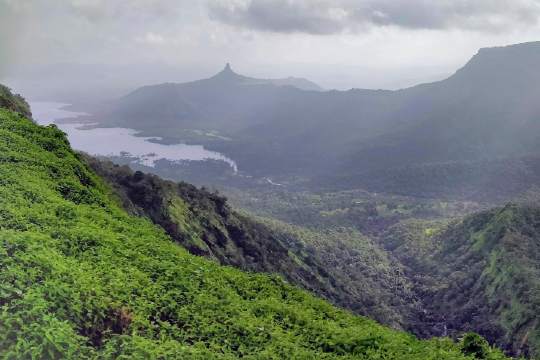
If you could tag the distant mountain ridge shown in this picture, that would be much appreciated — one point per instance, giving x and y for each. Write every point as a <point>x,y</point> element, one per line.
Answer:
<point>228,75</point>
<point>487,110</point>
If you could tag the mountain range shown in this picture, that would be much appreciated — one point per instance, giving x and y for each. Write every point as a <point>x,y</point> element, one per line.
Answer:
<point>487,112</point>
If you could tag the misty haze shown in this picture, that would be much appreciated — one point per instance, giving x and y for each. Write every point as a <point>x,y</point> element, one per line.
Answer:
<point>270,179</point>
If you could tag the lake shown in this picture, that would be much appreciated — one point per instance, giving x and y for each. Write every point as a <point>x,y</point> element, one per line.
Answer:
<point>118,141</point>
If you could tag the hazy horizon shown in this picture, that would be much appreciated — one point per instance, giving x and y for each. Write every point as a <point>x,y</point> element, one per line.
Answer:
<point>337,44</point>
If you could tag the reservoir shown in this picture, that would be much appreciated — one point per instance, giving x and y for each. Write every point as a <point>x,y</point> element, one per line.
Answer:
<point>118,141</point>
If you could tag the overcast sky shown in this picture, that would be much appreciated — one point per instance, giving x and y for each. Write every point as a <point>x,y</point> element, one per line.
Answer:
<point>337,43</point>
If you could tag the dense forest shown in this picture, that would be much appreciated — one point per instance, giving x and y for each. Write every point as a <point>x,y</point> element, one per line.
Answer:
<point>447,273</point>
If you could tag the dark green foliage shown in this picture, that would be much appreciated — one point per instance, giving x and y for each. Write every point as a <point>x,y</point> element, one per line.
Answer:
<point>364,278</point>
<point>475,345</point>
<point>477,274</point>
<point>200,220</point>
<point>498,180</point>
<point>83,279</point>
<point>404,286</point>
<point>369,213</point>
<point>497,288</point>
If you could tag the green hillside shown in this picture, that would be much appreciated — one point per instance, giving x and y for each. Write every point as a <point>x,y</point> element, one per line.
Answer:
<point>489,277</point>
<point>13,102</point>
<point>478,273</point>
<point>81,278</point>
<point>431,269</point>
<point>204,224</point>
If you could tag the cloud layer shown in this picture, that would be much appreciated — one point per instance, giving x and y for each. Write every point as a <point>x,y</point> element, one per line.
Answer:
<point>335,16</point>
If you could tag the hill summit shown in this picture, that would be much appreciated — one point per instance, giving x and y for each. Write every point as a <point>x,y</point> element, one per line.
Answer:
<point>228,75</point>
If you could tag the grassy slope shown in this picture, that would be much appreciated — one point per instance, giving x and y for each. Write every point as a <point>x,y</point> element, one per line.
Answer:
<point>81,278</point>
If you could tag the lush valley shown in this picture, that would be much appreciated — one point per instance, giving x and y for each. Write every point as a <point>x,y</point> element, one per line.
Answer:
<point>455,274</point>
<point>403,252</point>
<point>82,278</point>
<point>354,247</point>
<point>367,214</point>
<point>205,224</point>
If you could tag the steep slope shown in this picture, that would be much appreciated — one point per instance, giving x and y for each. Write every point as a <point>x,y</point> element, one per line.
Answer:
<point>13,102</point>
<point>478,273</point>
<point>486,111</point>
<point>206,225</point>
<point>83,279</point>
<point>497,291</point>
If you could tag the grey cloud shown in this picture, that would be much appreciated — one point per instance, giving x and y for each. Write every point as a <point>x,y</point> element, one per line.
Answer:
<point>99,10</point>
<point>11,28</point>
<point>279,16</point>
<point>37,31</point>
<point>335,16</point>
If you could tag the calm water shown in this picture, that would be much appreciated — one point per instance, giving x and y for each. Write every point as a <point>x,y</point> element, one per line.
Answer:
<point>115,141</point>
